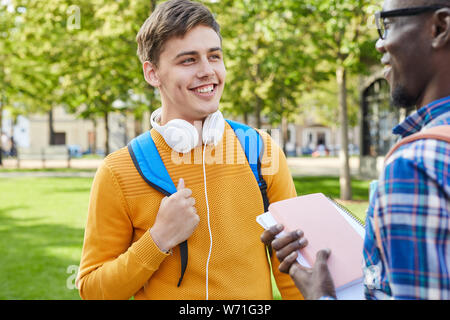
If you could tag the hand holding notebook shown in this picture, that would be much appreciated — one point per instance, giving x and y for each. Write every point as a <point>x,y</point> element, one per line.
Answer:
<point>325,225</point>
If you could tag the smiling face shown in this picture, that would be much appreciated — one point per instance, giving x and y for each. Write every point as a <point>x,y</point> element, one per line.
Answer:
<point>407,54</point>
<point>190,75</point>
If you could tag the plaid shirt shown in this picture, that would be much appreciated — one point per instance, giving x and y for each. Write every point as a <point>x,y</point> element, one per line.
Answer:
<point>412,202</point>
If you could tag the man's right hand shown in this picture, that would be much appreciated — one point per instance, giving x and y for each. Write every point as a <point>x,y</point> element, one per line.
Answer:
<point>315,282</point>
<point>176,219</point>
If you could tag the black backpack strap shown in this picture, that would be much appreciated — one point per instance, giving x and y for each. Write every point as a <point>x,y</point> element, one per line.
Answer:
<point>184,259</point>
<point>263,188</point>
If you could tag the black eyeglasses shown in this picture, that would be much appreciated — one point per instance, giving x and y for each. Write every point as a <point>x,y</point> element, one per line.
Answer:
<point>381,15</point>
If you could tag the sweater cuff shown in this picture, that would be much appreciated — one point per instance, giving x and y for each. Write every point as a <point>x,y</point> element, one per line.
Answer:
<point>147,252</point>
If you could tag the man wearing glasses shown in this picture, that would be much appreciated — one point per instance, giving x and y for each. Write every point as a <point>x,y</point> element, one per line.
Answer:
<point>407,242</point>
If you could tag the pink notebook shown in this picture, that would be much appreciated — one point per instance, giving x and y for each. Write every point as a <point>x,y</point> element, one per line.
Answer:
<point>325,225</point>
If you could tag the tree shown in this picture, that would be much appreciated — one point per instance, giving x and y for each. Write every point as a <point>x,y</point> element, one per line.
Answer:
<point>37,40</point>
<point>79,56</point>
<point>278,55</point>
<point>6,24</point>
<point>279,50</point>
<point>108,70</point>
<point>12,81</point>
<point>339,31</point>
<point>265,67</point>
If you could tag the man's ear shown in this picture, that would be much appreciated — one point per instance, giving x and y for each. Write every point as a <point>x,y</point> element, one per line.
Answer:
<point>441,28</point>
<point>150,74</point>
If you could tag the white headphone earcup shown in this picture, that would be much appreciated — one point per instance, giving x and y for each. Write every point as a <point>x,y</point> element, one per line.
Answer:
<point>213,128</point>
<point>180,135</point>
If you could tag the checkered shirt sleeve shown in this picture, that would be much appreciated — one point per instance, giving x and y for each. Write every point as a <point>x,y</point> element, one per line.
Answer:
<point>412,203</point>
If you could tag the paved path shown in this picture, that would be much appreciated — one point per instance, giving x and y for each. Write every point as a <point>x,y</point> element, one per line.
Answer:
<point>81,168</point>
<point>298,167</point>
<point>320,166</point>
<point>42,174</point>
<point>53,164</point>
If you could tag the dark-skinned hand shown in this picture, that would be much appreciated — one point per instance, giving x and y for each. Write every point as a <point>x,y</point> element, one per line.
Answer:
<point>313,282</point>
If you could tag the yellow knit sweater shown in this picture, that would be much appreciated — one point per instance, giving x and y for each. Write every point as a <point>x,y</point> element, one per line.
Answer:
<point>120,260</point>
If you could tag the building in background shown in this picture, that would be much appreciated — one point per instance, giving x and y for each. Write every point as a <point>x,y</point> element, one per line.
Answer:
<point>377,119</point>
<point>82,136</point>
<point>88,136</point>
<point>305,136</point>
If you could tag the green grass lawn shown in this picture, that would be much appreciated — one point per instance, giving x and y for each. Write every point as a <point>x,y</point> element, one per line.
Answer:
<point>41,235</point>
<point>42,226</point>
<point>330,187</point>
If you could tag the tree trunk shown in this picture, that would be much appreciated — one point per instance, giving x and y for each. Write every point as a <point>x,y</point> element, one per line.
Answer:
<point>125,129</point>
<point>345,179</point>
<point>94,143</point>
<point>137,125</point>
<point>259,102</point>
<point>258,112</point>
<point>1,130</point>
<point>106,133</point>
<point>51,128</point>
<point>284,130</point>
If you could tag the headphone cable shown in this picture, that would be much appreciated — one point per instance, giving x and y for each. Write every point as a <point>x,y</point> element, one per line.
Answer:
<point>209,225</point>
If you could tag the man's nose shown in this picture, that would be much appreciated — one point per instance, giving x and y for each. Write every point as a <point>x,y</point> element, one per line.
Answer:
<point>205,70</point>
<point>379,45</point>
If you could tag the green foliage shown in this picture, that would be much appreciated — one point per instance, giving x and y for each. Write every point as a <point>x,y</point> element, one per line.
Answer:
<point>342,36</point>
<point>280,51</point>
<point>82,54</point>
<point>104,66</point>
<point>322,102</point>
<point>267,65</point>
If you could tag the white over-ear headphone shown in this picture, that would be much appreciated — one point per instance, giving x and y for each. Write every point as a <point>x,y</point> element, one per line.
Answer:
<point>182,136</point>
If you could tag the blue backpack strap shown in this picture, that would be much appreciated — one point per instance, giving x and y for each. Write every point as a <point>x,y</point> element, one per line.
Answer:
<point>148,163</point>
<point>253,146</point>
<point>150,166</point>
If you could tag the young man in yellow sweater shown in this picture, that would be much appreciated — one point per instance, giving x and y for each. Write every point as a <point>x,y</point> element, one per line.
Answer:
<point>133,231</point>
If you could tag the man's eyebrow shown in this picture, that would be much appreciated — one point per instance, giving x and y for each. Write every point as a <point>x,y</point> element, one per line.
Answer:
<point>215,49</point>
<point>193,53</point>
<point>186,53</point>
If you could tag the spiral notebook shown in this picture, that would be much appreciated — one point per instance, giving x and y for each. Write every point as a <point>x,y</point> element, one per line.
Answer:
<point>326,224</point>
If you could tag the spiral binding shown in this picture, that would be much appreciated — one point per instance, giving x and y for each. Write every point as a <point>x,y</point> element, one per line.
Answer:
<point>348,212</point>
